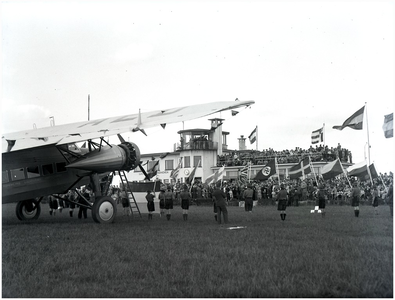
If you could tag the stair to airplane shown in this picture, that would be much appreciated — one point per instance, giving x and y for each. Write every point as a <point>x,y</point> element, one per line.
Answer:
<point>134,208</point>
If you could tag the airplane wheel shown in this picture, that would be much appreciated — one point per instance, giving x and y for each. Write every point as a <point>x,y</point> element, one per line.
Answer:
<point>104,210</point>
<point>28,210</point>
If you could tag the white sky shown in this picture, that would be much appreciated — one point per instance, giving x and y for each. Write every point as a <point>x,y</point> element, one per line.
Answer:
<point>305,63</point>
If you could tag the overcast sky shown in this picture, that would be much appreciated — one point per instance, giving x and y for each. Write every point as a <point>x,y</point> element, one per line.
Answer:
<point>305,63</point>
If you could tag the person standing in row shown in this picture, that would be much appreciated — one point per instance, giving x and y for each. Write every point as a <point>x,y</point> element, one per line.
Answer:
<point>282,198</point>
<point>321,199</point>
<point>169,196</point>
<point>355,198</point>
<point>248,200</point>
<point>219,198</point>
<point>150,204</point>
<point>375,201</point>
<point>185,198</point>
<point>162,201</point>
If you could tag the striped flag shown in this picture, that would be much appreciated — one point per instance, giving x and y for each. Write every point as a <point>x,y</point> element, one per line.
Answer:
<point>332,169</point>
<point>388,126</point>
<point>361,171</point>
<point>252,136</point>
<point>174,173</point>
<point>354,122</point>
<point>317,136</point>
<point>300,169</point>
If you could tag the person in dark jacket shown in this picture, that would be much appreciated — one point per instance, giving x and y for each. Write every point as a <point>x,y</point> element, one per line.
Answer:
<point>150,204</point>
<point>355,198</point>
<point>321,199</point>
<point>219,198</point>
<point>282,198</point>
<point>185,198</point>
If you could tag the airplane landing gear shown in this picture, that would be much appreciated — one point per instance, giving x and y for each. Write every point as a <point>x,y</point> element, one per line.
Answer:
<point>28,210</point>
<point>104,210</point>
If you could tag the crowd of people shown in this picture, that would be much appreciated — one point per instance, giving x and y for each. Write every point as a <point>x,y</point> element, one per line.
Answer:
<point>317,153</point>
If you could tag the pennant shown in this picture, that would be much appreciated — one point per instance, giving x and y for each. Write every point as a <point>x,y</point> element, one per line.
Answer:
<point>354,122</point>
<point>234,112</point>
<point>191,176</point>
<point>317,136</point>
<point>252,136</point>
<point>164,155</point>
<point>267,171</point>
<point>332,169</point>
<point>300,169</point>
<point>174,173</point>
<point>388,126</point>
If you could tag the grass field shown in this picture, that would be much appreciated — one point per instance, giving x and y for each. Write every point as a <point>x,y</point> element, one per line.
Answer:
<point>305,256</point>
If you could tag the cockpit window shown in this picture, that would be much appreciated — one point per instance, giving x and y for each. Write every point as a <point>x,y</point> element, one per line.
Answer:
<point>33,172</point>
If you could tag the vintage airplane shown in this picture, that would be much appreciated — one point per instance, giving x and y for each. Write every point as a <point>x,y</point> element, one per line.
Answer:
<point>45,161</point>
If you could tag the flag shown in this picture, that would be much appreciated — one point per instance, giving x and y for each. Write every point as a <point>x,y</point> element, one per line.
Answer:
<point>388,126</point>
<point>234,112</point>
<point>331,169</point>
<point>174,173</point>
<point>317,136</point>
<point>267,171</point>
<point>361,171</point>
<point>191,176</point>
<point>354,122</point>
<point>243,174</point>
<point>217,176</point>
<point>164,155</point>
<point>252,136</point>
<point>152,171</point>
<point>300,169</point>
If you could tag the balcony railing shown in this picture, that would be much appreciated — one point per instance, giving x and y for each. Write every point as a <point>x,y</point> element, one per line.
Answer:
<point>198,145</point>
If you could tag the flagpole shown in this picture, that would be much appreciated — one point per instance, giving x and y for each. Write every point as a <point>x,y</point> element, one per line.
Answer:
<point>312,168</point>
<point>277,171</point>
<point>256,134</point>
<point>323,132</point>
<point>345,174</point>
<point>367,128</point>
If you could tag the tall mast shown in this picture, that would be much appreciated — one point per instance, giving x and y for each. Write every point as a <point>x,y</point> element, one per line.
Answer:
<point>367,129</point>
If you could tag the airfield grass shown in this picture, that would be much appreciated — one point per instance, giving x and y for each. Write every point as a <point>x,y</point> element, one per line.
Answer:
<point>304,256</point>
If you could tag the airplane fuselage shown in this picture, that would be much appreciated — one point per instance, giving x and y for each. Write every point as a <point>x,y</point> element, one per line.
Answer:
<point>36,172</point>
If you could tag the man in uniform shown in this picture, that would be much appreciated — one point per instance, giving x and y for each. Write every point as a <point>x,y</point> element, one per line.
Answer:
<point>169,196</point>
<point>355,198</point>
<point>249,202</point>
<point>219,198</point>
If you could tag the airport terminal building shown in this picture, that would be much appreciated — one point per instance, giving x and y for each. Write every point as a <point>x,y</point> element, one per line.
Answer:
<point>205,148</point>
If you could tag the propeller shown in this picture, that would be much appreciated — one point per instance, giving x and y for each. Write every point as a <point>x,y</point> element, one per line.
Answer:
<point>122,140</point>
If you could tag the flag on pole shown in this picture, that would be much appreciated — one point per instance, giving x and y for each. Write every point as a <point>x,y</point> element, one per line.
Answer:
<point>174,173</point>
<point>153,170</point>
<point>267,171</point>
<point>252,136</point>
<point>217,176</point>
<point>354,122</point>
<point>332,169</point>
<point>317,136</point>
<point>361,171</point>
<point>388,126</point>
<point>300,169</point>
<point>191,176</point>
<point>243,174</point>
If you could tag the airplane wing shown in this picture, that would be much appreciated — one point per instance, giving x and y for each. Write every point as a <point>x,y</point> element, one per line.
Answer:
<point>82,131</point>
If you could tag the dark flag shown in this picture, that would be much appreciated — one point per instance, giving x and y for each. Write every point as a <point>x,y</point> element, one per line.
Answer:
<point>354,122</point>
<point>267,171</point>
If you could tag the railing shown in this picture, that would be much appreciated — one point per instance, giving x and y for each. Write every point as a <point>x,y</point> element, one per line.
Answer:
<point>198,145</point>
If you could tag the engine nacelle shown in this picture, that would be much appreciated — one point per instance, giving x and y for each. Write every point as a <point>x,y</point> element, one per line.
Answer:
<point>122,157</point>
